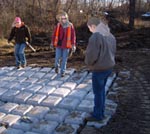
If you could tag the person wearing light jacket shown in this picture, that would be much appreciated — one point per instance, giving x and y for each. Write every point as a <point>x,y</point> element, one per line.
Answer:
<point>63,39</point>
<point>100,59</point>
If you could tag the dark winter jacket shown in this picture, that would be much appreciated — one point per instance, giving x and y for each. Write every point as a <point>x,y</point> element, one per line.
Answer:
<point>21,35</point>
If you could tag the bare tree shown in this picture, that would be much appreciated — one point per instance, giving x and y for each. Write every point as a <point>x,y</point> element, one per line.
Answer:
<point>132,13</point>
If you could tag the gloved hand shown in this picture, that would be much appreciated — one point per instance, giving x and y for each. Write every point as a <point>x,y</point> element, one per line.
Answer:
<point>73,48</point>
<point>51,46</point>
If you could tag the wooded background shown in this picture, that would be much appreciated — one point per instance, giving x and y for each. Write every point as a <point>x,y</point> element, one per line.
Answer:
<point>40,15</point>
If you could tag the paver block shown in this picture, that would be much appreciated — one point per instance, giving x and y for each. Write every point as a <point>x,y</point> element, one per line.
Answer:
<point>69,103</point>
<point>45,127</point>
<point>38,112</point>
<point>76,117</point>
<point>18,73</point>
<point>56,114</point>
<point>10,84</point>
<point>2,91</point>
<point>22,97</point>
<point>86,105</point>
<point>51,101</point>
<point>13,131</point>
<point>50,76</point>
<point>33,88</point>
<point>32,80</point>
<point>46,69</point>
<point>62,92</point>
<point>2,129</point>
<point>22,125</point>
<point>46,90</point>
<point>9,119</point>
<point>21,86</point>
<point>31,133</point>
<point>43,81</point>
<point>77,94</point>
<point>90,96</point>
<point>55,83</point>
<point>9,95</point>
<point>22,109</point>
<point>8,107</point>
<point>36,99</point>
<point>2,115</point>
<point>84,87</point>
<point>78,77</point>
<point>20,79</point>
<point>69,85</point>
<point>38,75</point>
<point>28,74</point>
<point>65,128</point>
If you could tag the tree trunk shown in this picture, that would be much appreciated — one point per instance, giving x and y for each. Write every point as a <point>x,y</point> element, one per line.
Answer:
<point>132,13</point>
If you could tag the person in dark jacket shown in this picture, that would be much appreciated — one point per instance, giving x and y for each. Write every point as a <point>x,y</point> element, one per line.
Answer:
<point>100,58</point>
<point>20,32</point>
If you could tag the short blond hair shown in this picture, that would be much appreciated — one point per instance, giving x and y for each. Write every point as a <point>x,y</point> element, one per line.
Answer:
<point>60,14</point>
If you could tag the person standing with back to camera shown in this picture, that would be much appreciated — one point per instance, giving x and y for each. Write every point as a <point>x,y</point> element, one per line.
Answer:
<point>100,58</point>
<point>63,39</point>
<point>20,32</point>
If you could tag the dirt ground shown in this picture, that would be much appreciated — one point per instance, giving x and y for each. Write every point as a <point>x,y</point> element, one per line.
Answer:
<point>133,54</point>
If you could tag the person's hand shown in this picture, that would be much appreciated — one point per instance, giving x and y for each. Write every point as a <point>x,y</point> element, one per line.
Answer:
<point>73,48</point>
<point>51,46</point>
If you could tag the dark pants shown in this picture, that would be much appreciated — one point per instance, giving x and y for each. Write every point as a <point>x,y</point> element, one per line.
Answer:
<point>99,80</point>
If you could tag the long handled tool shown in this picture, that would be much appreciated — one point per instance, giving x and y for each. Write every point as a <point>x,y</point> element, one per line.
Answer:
<point>28,44</point>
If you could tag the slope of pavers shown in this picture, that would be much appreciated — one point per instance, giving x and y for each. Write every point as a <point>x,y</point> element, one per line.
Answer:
<point>39,101</point>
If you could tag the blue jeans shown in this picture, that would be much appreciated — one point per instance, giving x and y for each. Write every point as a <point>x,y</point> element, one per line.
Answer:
<point>19,54</point>
<point>61,54</point>
<point>99,80</point>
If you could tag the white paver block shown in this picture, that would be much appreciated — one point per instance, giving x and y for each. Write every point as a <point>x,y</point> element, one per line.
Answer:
<point>69,103</point>
<point>62,92</point>
<point>46,90</point>
<point>55,83</point>
<point>84,87</point>
<point>43,81</point>
<point>28,74</point>
<point>9,119</point>
<point>50,76</point>
<point>66,129</point>
<point>31,133</point>
<point>51,101</point>
<point>56,114</point>
<point>2,115</point>
<point>45,127</point>
<point>22,109</point>
<point>22,97</point>
<point>36,99</point>
<point>69,85</point>
<point>32,80</point>
<point>76,117</point>
<point>38,112</point>
<point>2,129</point>
<point>8,107</point>
<point>33,88</point>
<point>86,105</point>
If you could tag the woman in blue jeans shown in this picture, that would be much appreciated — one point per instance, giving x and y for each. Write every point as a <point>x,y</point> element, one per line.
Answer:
<point>63,39</point>
<point>100,58</point>
<point>21,34</point>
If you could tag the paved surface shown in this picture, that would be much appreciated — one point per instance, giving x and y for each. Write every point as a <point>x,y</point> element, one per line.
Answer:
<point>39,101</point>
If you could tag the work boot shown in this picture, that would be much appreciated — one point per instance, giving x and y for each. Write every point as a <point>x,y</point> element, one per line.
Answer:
<point>63,74</point>
<point>56,70</point>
